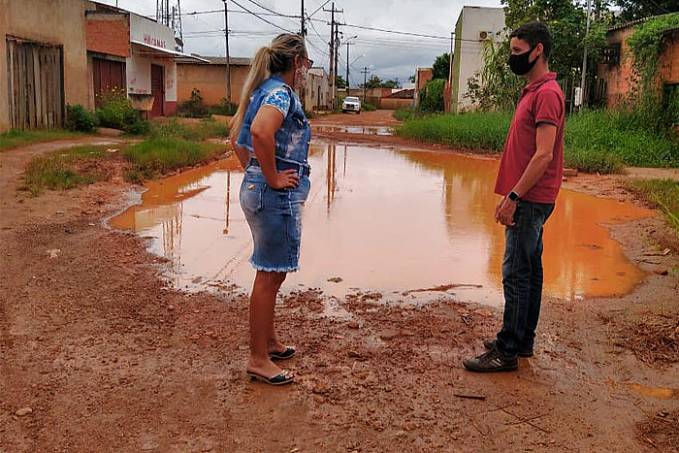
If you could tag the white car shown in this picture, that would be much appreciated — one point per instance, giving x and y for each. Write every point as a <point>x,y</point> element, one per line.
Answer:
<point>351,104</point>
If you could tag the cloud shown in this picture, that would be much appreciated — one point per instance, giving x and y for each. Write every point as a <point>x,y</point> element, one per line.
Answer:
<point>387,55</point>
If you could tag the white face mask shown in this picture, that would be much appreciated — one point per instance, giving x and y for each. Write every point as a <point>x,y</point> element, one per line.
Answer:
<point>301,75</point>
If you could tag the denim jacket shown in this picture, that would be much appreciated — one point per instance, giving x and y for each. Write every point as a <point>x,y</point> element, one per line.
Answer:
<point>292,139</point>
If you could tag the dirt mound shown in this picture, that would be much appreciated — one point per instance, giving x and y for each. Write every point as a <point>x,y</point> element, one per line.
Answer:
<point>661,431</point>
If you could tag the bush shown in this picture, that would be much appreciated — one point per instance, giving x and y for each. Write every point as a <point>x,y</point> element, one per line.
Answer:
<point>223,108</point>
<point>79,119</point>
<point>194,107</point>
<point>368,107</point>
<point>431,96</point>
<point>405,114</point>
<point>116,111</point>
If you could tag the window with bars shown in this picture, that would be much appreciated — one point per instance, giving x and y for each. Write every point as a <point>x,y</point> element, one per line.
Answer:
<point>611,55</point>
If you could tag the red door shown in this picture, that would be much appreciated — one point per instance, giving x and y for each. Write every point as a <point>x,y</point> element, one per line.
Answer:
<point>157,90</point>
<point>108,75</point>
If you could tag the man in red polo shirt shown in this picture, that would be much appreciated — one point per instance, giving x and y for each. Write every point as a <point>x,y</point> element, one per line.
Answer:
<point>529,180</point>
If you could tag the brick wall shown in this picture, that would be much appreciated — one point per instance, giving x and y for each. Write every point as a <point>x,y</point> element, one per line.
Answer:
<point>108,34</point>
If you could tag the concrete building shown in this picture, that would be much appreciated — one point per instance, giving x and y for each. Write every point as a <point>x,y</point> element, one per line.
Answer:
<point>615,73</point>
<point>475,25</point>
<point>317,91</point>
<point>54,53</point>
<point>209,77</point>
<point>43,61</point>
<point>422,76</point>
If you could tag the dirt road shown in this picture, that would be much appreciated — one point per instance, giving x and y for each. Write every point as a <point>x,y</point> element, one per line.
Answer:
<point>98,353</point>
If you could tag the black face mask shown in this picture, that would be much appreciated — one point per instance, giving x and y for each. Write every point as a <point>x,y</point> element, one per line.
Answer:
<point>519,63</point>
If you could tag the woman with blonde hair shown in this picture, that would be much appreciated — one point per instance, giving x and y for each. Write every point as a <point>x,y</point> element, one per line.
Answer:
<point>270,135</point>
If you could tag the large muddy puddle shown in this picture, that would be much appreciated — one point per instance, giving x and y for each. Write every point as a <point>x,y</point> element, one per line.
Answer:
<point>410,224</point>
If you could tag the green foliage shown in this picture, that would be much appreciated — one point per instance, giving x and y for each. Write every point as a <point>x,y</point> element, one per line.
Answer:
<point>647,44</point>
<point>198,131</point>
<point>223,108</point>
<point>404,114</point>
<point>567,23</point>
<point>79,119</point>
<point>64,169</point>
<point>441,66</point>
<point>495,87</point>
<point>368,107</point>
<point>481,131</point>
<point>391,83</point>
<point>194,107</point>
<point>15,137</point>
<point>431,96</point>
<point>663,193</point>
<point>341,83</point>
<point>116,111</point>
<point>159,155</point>
<point>595,141</point>
<point>637,9</point>
<point>373,82</point>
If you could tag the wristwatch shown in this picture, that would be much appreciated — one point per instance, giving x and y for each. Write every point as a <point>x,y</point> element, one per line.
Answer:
<point>514,196</point>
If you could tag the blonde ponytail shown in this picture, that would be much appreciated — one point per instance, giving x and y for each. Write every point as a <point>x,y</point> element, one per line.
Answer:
<point>274,59</point>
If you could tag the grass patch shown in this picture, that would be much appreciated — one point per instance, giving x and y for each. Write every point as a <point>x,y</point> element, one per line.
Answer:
<point>65,169</point>
<point>661,193</point>
<point>595,141</point>
<point>481,131</point>
<point>15,138</point>
<point>196,131</point>
<point>159,155</point>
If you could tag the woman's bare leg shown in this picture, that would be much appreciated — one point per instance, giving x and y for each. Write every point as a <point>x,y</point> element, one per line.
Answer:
<point>262,302</point>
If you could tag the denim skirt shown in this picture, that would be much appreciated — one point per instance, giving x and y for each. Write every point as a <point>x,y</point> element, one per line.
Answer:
<point>275,220</point>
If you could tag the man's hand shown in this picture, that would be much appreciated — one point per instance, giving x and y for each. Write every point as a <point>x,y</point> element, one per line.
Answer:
<point>287,179</point>
<point>504,213</point>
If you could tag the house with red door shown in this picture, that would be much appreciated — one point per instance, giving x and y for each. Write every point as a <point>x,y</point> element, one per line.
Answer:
<point>136,54</point>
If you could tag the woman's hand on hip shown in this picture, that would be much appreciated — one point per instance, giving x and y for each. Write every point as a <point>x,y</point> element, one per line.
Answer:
<point>286,179</point>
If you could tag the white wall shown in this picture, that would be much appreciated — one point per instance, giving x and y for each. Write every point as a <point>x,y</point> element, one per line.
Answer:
<point>149,32</point>
<point>474,21</point>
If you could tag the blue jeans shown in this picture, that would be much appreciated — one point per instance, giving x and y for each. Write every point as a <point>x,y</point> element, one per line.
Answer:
<point>522,278</point>
<point>275,220</point>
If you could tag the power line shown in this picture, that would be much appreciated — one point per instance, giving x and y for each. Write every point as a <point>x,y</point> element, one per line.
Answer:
<point>272,11</point>
<point>261,18</point>
<point>318,9</point>
<point>234,11</point>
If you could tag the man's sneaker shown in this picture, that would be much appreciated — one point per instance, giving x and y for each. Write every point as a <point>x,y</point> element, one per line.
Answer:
<point>490,344</point>
<point>492,360</point>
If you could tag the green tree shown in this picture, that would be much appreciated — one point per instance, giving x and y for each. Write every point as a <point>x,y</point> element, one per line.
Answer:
<point>373,82</point>
<point>341,83</point>
<point>441,66</point>
<point>393,83</point>
<point>637,9</point>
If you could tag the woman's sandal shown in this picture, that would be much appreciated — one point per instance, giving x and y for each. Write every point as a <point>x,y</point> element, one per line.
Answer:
<point>282,378</point>
<point>284,355</point>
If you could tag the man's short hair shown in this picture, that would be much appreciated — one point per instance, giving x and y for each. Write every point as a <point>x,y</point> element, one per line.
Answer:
<point>535,33</point>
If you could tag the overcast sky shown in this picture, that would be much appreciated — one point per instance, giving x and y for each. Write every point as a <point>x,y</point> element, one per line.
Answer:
<point>387,55</point>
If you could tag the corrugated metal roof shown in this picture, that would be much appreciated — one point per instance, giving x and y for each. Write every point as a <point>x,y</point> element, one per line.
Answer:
<point>629,24</point>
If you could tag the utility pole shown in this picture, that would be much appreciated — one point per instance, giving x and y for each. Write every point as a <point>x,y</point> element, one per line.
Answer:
<point>365,81</point>
<point>334,43</point>
<point>228,59</point>
<point>181,26</point>
<point>348,62</point>
<point>584,58</point>
<point>303,29</point>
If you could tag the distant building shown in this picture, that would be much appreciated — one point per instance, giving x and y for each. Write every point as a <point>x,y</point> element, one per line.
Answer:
<point>401,98</point>
<point>615,72</point>
<point>422,76</point>
<point>475,26</point>
<point>209,77</point>
<point>317,90</point>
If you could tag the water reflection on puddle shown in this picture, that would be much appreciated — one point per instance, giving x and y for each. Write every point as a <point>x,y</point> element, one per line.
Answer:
<point>367,130</point>
<point>386,219</point>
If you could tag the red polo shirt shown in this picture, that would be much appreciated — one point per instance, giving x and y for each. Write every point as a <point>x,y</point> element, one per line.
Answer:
<point>542,101</point>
